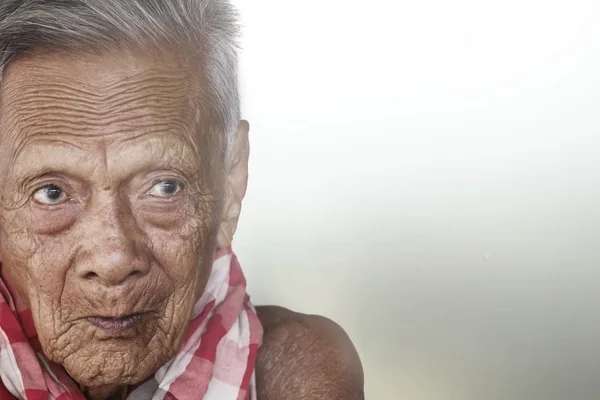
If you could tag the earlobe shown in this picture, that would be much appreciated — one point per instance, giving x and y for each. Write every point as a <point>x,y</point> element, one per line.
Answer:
<point>235,186</point>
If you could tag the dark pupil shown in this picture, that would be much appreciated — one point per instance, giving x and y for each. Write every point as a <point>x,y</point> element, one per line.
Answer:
<point>54,193</point>
<point>169,187</point>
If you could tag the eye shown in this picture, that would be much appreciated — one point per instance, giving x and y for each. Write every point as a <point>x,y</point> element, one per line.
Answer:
<point>50,194</point>
<point>165,188</point>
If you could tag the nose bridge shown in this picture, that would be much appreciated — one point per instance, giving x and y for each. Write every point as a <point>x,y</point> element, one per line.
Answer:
<point>110,251</point>
<point>114,218</point>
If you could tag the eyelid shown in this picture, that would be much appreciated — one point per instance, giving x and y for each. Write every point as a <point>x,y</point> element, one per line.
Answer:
<point>67,197</point>
<point>39,186</point>
<point>157,181</point>
<point>68,185</point>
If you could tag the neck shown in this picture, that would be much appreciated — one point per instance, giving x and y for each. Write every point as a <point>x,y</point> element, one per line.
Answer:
<point>106,393</point>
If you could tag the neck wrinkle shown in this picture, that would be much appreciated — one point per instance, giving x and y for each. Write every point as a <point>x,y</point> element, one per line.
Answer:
<point>105,393</point>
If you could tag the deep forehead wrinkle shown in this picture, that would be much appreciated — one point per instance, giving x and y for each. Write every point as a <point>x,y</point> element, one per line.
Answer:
<point>66,99</point>
<point>92,95</point>
<point>62,98</point>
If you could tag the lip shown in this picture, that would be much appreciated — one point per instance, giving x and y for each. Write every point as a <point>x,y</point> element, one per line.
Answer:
<point>116,325</point>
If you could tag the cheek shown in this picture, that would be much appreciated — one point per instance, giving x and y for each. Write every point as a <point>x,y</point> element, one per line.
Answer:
<point>181,231</point>
<point>18,248</point>
<point>47,271</point>
<point>35,264</point>
<point>45,221</point>
<point>30,237</point>
<point>185,252</point>
<point>36,270</point>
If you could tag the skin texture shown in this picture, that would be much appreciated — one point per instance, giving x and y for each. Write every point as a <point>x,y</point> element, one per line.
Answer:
<point>306,357</point>
<point>113,198</point>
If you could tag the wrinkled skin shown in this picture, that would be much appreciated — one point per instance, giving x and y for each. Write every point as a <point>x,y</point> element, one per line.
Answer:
<point>306,357</point>
<point>139,200</point>
<point>133,214</point>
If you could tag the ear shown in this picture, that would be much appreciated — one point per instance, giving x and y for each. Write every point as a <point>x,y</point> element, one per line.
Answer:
<point>235,186</point>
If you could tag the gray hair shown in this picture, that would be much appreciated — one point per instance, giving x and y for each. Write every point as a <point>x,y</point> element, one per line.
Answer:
<point>207,27</point>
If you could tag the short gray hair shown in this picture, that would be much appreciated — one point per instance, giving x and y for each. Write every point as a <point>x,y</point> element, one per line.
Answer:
<point>208,27</point>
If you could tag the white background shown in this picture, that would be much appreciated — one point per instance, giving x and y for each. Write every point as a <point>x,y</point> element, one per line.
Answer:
<point>427,174</point>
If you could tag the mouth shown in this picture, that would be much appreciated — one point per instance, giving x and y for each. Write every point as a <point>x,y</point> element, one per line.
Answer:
<point>116,325</point>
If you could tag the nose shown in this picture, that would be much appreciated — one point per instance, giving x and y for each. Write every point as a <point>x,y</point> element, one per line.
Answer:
<point>112,263</point>
<point>112,251</point>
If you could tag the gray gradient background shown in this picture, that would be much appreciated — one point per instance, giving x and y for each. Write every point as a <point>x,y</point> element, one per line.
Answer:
<point>428,175</point>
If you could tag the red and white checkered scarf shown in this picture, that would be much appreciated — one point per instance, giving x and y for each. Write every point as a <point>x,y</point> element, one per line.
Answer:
<point>216,361</point>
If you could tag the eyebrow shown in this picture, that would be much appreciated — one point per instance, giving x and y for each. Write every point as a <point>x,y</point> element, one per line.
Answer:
<point>23,169</point>
<point>27,170</point>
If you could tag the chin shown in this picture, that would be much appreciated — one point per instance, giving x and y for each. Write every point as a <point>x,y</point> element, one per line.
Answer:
<point>95,356</point>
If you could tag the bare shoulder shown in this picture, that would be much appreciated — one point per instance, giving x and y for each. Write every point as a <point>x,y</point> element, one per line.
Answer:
<point>306,357</point>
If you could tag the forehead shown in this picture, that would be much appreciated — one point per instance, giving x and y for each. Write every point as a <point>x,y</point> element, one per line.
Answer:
<point>96,79</point>
<point>83,99</point>
<point>93,89</point>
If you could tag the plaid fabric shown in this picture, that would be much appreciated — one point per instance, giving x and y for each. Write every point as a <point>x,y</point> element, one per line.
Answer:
<point>216,361</point>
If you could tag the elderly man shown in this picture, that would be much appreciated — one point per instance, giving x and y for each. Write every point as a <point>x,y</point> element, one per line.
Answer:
<point>123,165</point>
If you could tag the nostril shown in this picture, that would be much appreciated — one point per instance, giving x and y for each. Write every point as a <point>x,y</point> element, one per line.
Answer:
<point>90,275</point>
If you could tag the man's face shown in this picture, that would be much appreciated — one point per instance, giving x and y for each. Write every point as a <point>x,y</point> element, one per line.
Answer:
<point>107,210</point>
